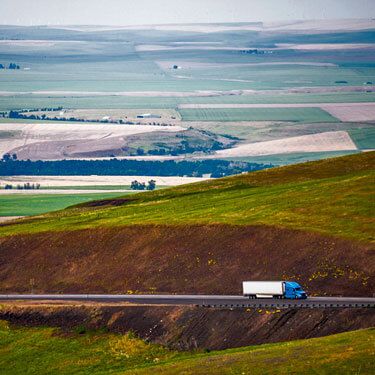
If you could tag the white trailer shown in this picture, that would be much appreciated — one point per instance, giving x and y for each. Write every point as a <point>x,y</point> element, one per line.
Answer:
<point>263,289</point>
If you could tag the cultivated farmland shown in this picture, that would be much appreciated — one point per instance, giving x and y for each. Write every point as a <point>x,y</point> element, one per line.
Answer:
<point>329,141</point>
<point>257,114</point>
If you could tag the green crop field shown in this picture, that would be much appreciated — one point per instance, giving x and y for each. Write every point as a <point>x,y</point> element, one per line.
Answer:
<point>268,131</point>
<point>35,204</point>
<point>284,76</point>
<point>317,196</point>
<point>292,158</point>
<point>363,138</point>
<point>157,102</point>
<point>49,350</point>
<point>257,114</point>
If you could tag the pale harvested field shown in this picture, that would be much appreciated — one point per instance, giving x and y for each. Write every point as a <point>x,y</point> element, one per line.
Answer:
<point>35,43</point>
<point>202,65</point>
<point>321,25</point>
<point>198,93</point>
<point>56,181</point>
<point>350,112</point>
<point>160,47</point>
<point>328,141</point>
<point>3,219</point>
<point>326,106</point>
<point>326,46</point>
<point>298,26</point>
<point>35,133</point>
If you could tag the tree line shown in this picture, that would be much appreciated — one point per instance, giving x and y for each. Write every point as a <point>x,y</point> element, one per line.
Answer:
<point>136,185</point>
<point>115,167</point>
<point>12,66</point>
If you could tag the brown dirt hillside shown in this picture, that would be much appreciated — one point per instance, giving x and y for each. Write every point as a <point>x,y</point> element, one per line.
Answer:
<point>187,328</point>
<point>183,259</point>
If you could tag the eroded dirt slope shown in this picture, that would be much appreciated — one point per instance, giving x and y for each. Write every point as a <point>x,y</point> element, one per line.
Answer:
<point>212,259</point>
<point>187,328</point>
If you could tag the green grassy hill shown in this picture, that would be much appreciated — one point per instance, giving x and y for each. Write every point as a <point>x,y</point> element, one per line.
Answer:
<point>48,350</point>
<point>331,196</point>
<point>310,222</point>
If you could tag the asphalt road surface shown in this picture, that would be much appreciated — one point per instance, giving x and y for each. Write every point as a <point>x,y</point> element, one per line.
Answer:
<point>200,300</point>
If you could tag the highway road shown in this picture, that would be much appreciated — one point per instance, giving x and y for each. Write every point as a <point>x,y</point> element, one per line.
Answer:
<point>200,300</point>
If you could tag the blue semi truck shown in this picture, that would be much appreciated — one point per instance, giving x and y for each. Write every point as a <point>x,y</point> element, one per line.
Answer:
<point>273,289</point>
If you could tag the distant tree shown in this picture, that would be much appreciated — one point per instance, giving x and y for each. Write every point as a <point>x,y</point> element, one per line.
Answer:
<point>151,185</point>
<point>6,157</point>
<point>14,114</point>
<point>2,66</point>
<point>135,185</point>
<point>13,66</point>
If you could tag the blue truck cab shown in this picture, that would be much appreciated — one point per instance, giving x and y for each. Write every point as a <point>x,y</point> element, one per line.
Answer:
<point>293,290</point>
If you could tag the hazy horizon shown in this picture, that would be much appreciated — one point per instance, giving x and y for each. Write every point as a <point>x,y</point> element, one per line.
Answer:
<point>149,12</point>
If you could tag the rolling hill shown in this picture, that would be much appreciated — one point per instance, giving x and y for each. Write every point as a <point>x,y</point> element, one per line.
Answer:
<point>311,222</point>
<point>45,350</point>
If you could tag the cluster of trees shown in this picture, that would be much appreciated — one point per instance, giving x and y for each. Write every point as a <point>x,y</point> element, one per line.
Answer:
<point>26,186</point>
<point>136,185</point>
<point>12,66</point>
<point>215,168</point>
<point>253,51</point>
<point>7,157</point>
<point>183,148</point>
<point>23,113</point>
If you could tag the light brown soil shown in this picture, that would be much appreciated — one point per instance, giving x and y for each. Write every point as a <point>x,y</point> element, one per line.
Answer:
<point>212,259</point>
<point>187,328</point>
<point>320,142</point>
<point>8,218</point>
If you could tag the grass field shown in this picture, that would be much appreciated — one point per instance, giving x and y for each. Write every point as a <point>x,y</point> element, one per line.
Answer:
<point>34,204</point>
<point>318,196</point>
<point>260,131</point>
<point>156,102</point>
<point>48,350</point>
<point>257,114</point>
<point>292,158</point>
<point>282,76</point>
<point>363,138</point>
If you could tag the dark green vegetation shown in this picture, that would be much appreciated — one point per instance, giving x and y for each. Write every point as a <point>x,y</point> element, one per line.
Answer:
<point>317,196</point>
<point>48,350</point>
<point>35,204</point>
<point>114,167</point>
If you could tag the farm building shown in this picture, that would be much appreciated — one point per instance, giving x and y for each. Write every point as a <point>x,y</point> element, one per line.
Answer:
<point>148,115</point>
